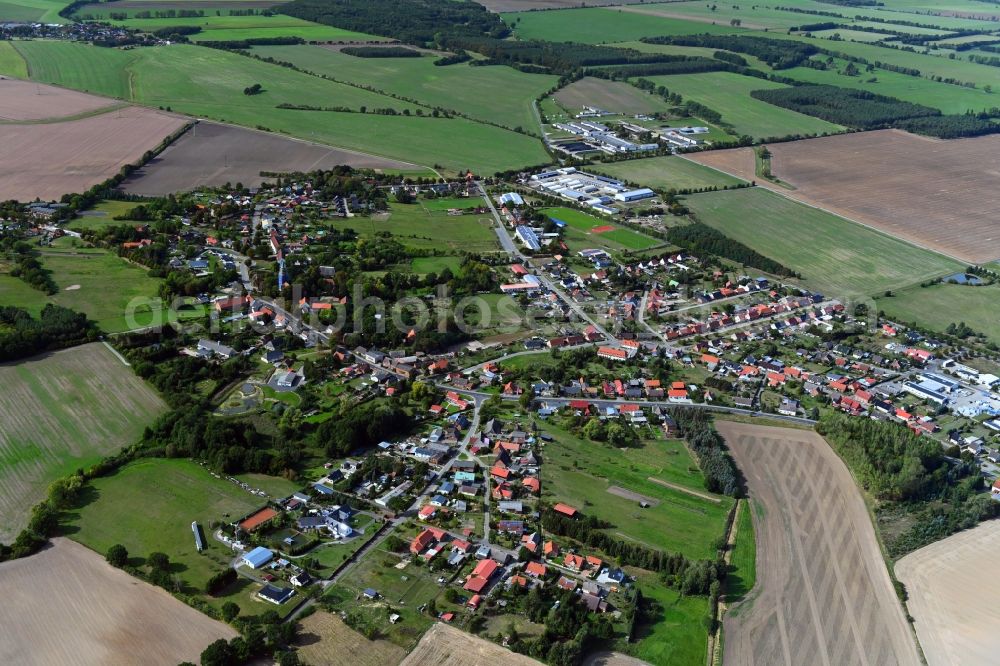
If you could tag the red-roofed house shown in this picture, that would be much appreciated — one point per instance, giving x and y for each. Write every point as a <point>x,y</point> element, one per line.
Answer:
<point>535,569</point>
<point>565,509</point>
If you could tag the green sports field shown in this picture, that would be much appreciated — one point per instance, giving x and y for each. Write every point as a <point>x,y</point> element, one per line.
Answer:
<point>148,506</point>
<point>729,94</point>
<point>937,306</point>
<point>833,255</point>
<point>209,83</point>
<point>578,234</point>
<point>500,95</point>
<point>579,473</point>
<point>666,173</point>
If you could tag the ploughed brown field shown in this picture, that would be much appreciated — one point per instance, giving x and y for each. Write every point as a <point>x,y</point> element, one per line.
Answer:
<point>447,646</point>
<point>941,195</point>
<point>24,100</point>
<point>952,589</point>
<point>212,154</point>
<point>66,605</point>
<point>48,160</point>
<point>823,595</point>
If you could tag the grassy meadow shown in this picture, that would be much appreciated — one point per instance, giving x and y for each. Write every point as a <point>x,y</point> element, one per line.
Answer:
<point>418,226</point>
<point>579,473</point>
<point>209,83</point>
<point>229,28</point>
<point>937,306</point>
<point>578,233</point>
<point>500,95</point>
<point>666,173</point>
<point>833,255</point>
<point>26,11</point>
<point>599,25</point>
<point>148,506</point>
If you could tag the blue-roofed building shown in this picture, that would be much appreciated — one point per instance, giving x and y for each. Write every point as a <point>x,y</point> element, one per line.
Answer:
<point>527,236</point>
<point>257,557</point>
<point>322,490</point>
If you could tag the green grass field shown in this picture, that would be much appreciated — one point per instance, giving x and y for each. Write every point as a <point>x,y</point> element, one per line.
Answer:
<point>579,473</point>
<point>210,83</point>
<point>729,94</point>
<point>424,265</point>
<point>578,232</point>
<point>148,506</point>
<point>62,412</point>
<point>17,292</point>
<point>666,173</point>
<point>939,305</point>
<point>44,11</point>
<point>102,215</point>
<point>11,61</point>
<point>741,579</point>
<point>676,634</point>
<point>836,256</point>
<point>597,25</point>
<point>109,287</point>
<point>228,28</point>
<point>499,95</point>
<point>416,226</point>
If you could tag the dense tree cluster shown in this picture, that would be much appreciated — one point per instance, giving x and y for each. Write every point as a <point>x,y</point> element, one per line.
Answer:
<point>700,238</point>
<point>916,485</point>
<point>411,21</point>
<point>777,53</point>
<point>865,110</point>
<point>28,268</point>
<point>380,52</point>
<point>360,427</point>
<point>721,474</point>
<point>22,335</point>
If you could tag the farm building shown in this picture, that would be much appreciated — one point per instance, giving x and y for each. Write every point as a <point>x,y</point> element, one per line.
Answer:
<point>276,595</point>
<point>257,557</point>
<point>258,519</point>
<point>635,195</point>
<point>199,543</point>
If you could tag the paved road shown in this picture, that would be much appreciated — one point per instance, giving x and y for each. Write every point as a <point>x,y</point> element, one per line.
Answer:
<point>508,245</point>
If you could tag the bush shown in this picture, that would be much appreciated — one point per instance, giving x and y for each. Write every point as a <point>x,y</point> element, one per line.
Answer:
<point>117,556</point>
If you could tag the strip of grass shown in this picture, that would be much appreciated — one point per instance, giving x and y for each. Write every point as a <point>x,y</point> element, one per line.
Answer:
<point>579,473</point>
<point>939,305</point>
<point>11,61</point>
<point>666,173</point>
<point>833,255</point>
<point>230,28</point>
<point>743,576</point>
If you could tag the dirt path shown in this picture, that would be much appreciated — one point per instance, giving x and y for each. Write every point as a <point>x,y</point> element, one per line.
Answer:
<point>682,489</point>
<point>823,595</point>
<point>952,588</point>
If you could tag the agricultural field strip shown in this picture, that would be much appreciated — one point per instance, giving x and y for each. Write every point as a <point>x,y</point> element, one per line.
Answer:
<point>824,595</point>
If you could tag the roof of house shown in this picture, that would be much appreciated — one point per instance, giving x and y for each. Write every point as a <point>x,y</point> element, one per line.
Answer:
<point>258,556</point>
<point>564,509</point>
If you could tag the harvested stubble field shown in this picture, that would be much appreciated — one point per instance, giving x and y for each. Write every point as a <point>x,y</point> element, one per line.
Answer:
<point>950,598</point>
<point>62,411</point>
<point>24,100</point>
<point>324,640</point>
<point>213,154</point>
<point>942,195</point>
<point>52,159</point>
<point>447,646</point>
<point>65,605</point>
<point>823,594</point>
